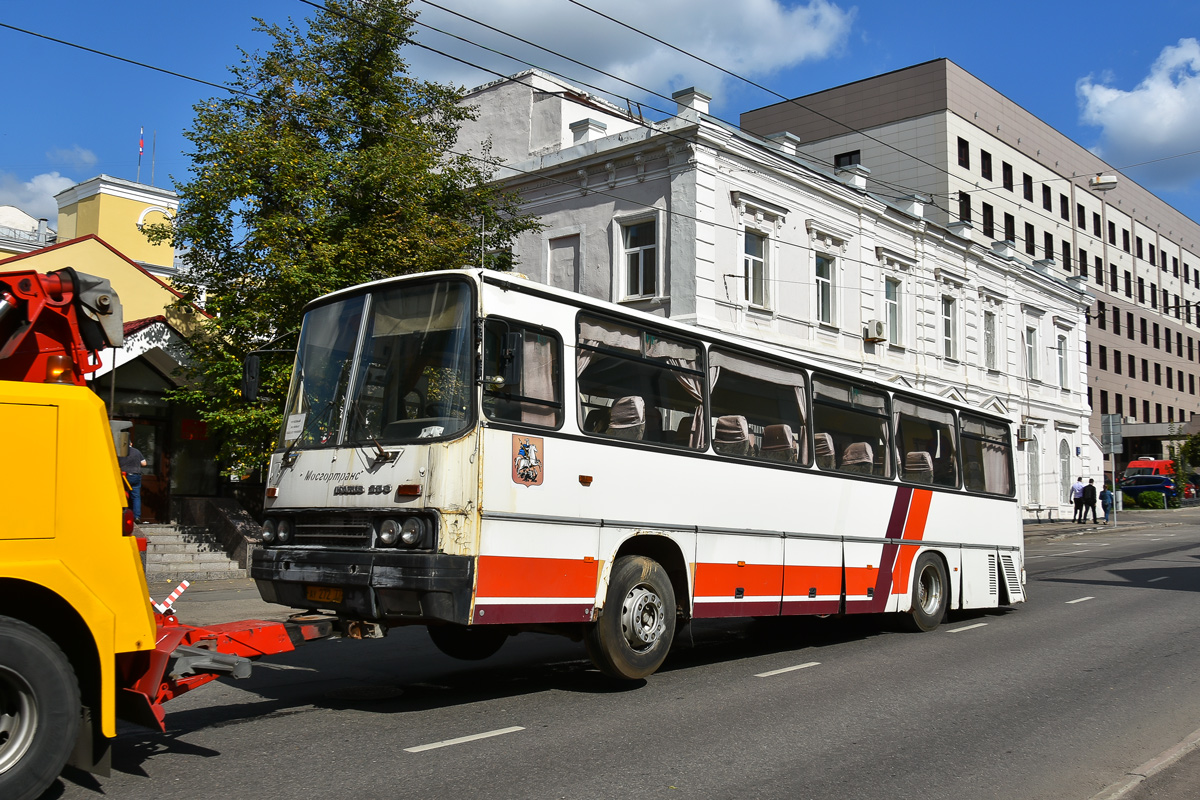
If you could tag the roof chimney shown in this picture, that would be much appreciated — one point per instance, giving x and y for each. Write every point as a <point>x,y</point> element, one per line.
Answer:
<point>789,143</point>
<point>692,102</point>
<point>854,175</point>
<point>586,130</point>
<point>43,229</point>
<point>914,204</point>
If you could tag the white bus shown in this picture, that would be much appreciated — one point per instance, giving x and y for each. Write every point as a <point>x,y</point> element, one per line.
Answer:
<point>481,454</point>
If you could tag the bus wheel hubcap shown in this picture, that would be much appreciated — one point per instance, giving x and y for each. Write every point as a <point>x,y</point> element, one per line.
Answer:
<point>930,591</point>
<point>642,617</point>
<point>18,718</point>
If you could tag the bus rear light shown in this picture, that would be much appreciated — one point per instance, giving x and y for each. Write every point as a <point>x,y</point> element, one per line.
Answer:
<point>408,490</point>
<point>127,522</point>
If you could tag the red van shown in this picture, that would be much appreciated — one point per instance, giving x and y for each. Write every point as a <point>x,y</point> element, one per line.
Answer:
<point>1144,465</point>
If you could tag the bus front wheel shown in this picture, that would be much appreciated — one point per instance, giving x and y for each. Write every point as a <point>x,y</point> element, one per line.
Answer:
<point>930,593</point>
<point>473,643</point>
<point>39,710</point>
<point>631,638</point>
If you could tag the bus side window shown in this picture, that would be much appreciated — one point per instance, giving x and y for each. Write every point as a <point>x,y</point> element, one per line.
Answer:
<point>766,400</point>
<point>987,454</point>
<point>925,439</point>
<point>855,421</point>
<point>638,385</point>
<point>522,374</point>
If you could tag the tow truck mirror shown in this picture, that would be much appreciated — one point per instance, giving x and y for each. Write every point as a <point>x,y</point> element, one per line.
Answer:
<point>250,378</point>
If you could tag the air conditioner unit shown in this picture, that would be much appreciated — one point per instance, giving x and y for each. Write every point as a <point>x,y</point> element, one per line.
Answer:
<point>1023,433</point>
<point>876,331</point>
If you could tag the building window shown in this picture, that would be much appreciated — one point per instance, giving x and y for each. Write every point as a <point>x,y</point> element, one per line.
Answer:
<point>1120,407</point>
<point>1048,245</point>
<point>1157,374</point>
<point>1010,228</point>
<point>1032,453</point>
<point>1100,321</point>
<point>964,153</point>
<point>891,304</point>
<point>985,164</point>
<point>1095,225</point>
<point>1112,233</point>
<point>1064,207</point>
<point>1083,259</point>
<point>1153,258</point>
<point>1062,361</point>
<point>1031,371</point>
<point>1125,240</point>
<point>1099,265</point>
<point>847,159</point>
<point>1103,356</point>
<point>1140,252</point>
<point>1006,174</point>
<point>641,259</point>
<point>1046,198</point>
<point>755,263</point>
<point>1103,402</point>
<point>1174,267</point>
<point>989,339</point>
<point>824,278</point>
<point>1027,184</point>
<point>989,222</point>
<point>1116,319</point>
<point>1154,295</point>
<point>1066,255</point>
<point>964,207</point>
<point>1030,246</point>
<point>1112,277</point>
<point>1080,216</point>
<point>1141,290</point>
<point>1142,324</point>
<point>949,323</point>
<point>1128,284</point>
<point>1118,360</point>
<point>1145,370</point>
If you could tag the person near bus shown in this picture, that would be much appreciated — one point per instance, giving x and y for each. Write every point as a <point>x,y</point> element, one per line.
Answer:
<point>1089,500</point>
<point>1077,499</point>
<point>1106,501</point>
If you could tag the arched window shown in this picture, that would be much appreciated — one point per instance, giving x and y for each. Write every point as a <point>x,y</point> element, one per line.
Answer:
<point>1032,449</point>
<point>1064,469</point>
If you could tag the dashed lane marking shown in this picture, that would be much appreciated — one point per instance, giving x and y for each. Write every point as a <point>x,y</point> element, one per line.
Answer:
<point>1156,580</point>
<point>968,627</point>
<point>1079,600</point>
<point>462,739</point>
<point>787,669</point>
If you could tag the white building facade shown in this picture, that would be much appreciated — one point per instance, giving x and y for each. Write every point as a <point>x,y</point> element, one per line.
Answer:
<point>694,220</point>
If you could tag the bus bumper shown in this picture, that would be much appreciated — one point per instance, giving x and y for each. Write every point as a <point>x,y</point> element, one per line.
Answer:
<point>389,587</point>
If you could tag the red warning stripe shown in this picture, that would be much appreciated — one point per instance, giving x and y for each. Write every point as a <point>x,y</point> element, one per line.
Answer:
<point>516,576</point>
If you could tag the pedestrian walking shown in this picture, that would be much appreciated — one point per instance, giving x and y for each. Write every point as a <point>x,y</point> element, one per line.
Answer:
<point>1077,499</point>
<point>1089,500</point>
<point>1106,501</point>
<point>131,464</point>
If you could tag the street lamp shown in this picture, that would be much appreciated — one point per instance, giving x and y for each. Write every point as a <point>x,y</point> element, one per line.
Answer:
<point>1102,183</point>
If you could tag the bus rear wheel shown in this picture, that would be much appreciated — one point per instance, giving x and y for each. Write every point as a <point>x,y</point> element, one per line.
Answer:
<point>39,710</point>
<point>930,593</point>
<point>473,643</point>
<point>637,625</point>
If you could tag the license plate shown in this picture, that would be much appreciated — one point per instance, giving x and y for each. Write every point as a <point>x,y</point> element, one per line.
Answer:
<point>323,594</point>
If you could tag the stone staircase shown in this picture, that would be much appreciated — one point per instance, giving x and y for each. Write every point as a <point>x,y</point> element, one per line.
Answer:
<point>175,553</point>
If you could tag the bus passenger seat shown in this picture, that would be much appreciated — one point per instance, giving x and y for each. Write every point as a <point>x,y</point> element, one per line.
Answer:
<point>596,420</point>
<point>732,436</point>
<point>918,467</point>
<point>823,446</point>
<point>683,432</point>
<point>858,457</point>
<point>779,445</point>
<point>628,419</point>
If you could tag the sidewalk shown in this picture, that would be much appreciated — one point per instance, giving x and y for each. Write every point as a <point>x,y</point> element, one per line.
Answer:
<point>1127,520</point>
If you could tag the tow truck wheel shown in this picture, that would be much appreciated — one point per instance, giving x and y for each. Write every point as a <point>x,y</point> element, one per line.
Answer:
<point>473,643</point>
<point>635,630</point>
<point>39,710</point>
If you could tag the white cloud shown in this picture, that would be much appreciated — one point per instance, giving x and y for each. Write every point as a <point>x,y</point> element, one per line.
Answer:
<point>34,196</point>
<point>77,157</point>
<point>1160,117</point>
<point>753,38</point>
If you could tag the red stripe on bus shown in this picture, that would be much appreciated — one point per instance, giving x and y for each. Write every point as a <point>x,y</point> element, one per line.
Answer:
<point>914,531</point>
<point>736,608</point>
<point>859,579</point>
<point>511,613</point>
<point>514,576</point>
<point>723,580</point>
<point>801,580</point>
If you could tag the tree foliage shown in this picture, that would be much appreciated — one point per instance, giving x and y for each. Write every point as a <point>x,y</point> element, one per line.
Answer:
<point>327,166</point>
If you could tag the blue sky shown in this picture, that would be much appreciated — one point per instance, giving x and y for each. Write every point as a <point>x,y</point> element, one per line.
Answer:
<point>1121,78</point>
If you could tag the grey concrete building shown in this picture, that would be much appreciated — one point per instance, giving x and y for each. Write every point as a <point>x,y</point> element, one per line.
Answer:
<point>936,129</point>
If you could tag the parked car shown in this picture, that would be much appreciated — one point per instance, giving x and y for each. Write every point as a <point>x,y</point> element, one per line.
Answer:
<point>1142,483</point>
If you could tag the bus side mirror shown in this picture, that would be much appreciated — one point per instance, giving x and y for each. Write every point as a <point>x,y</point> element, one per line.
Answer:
<point>250,378</point>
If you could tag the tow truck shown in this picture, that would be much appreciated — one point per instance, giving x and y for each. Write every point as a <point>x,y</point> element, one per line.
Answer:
<point>81,642</point>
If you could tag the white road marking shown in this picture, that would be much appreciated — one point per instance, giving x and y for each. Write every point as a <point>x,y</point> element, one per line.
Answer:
<point>968,627</point>
<point>1080,600</point>
<point>787,669</point>
<point>1156,580</point>
<point>462,739</point>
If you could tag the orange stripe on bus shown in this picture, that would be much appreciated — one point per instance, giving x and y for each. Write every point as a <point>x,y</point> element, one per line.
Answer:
<point>859,579</point>
<point>797,580</point>
<point>914,530</point>
<point>720,580</point>
<point>512,576</point>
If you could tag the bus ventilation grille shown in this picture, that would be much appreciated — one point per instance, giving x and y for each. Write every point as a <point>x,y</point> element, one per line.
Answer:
<point>993,577</point>
<point>1011,579</point>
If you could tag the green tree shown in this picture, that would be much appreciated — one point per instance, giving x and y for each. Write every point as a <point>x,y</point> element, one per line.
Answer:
<point>327,166</point>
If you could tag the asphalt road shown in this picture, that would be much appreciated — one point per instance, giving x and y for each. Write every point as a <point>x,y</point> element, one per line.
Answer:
<point>1060,697</point>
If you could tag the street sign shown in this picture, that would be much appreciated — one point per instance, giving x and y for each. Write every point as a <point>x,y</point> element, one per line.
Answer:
<point>1111,436</point>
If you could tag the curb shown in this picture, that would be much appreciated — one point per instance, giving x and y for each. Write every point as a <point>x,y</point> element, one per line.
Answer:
<point>1155,765</point>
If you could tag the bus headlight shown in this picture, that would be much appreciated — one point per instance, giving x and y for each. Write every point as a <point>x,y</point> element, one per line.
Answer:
<point>389,531</point>
<point>285,531</point>
<point>411,532</point>
<point>268,531</point>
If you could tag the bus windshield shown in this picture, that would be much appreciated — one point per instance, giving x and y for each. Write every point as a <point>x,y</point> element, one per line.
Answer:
<point>392,366</point>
